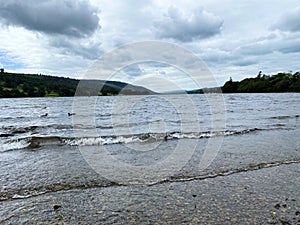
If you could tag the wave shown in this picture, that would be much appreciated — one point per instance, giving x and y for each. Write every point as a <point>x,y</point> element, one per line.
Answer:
<point>34,142</point>
<point>285,117</point>
<point>146,137</point>
<point>141,123</point>
<point>247,168</point>
<point>14,194</point>
<point>13,144</point>
<point>11,118</point>
<point>12,130</point>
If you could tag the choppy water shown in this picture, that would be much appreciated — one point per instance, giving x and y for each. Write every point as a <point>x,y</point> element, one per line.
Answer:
<point>124,119</point>
<point>40,154</point>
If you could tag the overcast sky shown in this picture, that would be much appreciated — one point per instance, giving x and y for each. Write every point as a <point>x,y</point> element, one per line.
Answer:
<point>234,38</point>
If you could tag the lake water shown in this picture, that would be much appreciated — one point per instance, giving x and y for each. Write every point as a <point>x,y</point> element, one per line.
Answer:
<point>50,144</point>
<point>108,120</point>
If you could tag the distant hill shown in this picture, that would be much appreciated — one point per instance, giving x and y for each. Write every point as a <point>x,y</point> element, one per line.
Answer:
<point>205,90</point>
<point>92,87</point>
<point>34,85</point>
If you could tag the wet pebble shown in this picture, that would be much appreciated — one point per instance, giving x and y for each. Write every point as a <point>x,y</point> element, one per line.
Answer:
<point>56,207</point>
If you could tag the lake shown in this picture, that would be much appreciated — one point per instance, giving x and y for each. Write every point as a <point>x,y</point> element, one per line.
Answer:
<point>48,145</point>
<point>139,118</point>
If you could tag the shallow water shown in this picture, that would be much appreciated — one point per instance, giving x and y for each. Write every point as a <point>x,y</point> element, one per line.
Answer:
<point>147,159</point>
<point>265,196</point>
<point>58,152</point>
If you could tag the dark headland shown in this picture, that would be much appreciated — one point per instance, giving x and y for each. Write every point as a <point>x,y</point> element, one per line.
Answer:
<point>14,85</point>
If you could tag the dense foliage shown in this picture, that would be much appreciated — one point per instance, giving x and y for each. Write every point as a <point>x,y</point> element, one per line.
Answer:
<point>30,85</point>
<point>281,82</point>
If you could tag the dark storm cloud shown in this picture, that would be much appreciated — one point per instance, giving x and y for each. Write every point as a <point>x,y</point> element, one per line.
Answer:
<point>289,21</point>
<point>66,17</point>
<point>197,25</point>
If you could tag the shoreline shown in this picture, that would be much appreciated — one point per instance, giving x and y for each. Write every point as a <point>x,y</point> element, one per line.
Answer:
<point>263,196</point>
<point>254,179</point>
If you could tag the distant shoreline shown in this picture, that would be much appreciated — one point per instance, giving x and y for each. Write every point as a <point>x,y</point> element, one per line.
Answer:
<point>16,85</point>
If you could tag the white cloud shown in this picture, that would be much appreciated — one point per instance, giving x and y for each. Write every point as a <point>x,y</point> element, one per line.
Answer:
<point>35,55</point>
<point>233,37</point>
<point>289,21</point>
<point>282,42</point>
<point>71,18</point>
<point>86,48</point>
<point>188,26</point>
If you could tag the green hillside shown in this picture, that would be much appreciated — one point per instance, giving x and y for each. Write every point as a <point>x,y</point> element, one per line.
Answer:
<point>281,82</point>
<point>14,85</point>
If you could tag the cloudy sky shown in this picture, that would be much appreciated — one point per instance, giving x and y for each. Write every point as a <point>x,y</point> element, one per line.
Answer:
<point>234,38</point>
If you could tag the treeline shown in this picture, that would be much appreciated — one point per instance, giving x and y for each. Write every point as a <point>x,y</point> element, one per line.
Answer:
<point>13,85</point>
<point>281,82</point>
<point>29,85</point>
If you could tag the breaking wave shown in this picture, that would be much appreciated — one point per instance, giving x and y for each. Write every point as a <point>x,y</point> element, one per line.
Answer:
<point>34,142</point>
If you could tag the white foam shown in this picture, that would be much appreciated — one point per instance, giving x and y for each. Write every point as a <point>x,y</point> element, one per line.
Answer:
<point>8,145</point>
<point>91,141</point>
<point>16,196</point>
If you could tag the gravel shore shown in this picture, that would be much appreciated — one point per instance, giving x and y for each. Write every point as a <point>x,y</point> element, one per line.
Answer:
<point>262,196</point>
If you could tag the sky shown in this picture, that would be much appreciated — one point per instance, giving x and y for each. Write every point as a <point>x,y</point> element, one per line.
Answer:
<point>233,38</point>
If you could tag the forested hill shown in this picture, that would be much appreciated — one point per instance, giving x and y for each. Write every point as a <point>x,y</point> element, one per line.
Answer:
<point>281,82</point>
<point>32,85</point>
